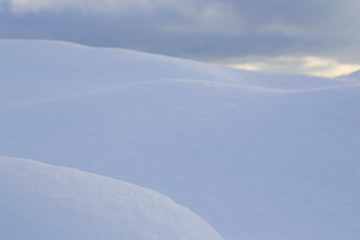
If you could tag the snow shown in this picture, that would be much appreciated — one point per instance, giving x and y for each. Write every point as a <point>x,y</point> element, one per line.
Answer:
<point>354,75</point>
<point>257,155</point>
<point>40,201</point>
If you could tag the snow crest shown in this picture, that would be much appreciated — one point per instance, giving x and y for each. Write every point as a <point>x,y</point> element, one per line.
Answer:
<point>40,201</point>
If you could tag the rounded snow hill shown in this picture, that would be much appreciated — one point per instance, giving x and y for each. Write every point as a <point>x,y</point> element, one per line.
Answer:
<point>40,201</point>
<point>257,155</point>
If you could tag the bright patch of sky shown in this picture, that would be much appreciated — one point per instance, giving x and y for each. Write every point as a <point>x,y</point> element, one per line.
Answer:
<point>214,31</point>
<point>308,65</point>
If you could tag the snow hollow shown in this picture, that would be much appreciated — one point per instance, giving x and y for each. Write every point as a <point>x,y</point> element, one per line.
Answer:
<point>258,155</point>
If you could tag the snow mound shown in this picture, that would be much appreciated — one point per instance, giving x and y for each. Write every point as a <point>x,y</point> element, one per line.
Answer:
<point>257,155</point>
<point>40,201</point>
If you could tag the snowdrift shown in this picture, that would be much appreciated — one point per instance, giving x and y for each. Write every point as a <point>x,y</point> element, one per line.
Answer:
<point>40,201</point>
<point>257,155</point>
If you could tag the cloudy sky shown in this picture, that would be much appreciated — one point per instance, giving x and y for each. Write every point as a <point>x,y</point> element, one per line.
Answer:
<point>309,36</point>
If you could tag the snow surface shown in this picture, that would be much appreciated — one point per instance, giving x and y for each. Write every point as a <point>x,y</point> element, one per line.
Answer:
<point>257,155</point>
<point>354,75</point>
<point>40,201</point>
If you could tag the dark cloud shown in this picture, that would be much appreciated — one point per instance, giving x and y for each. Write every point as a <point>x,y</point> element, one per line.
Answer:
<point>201,29</point>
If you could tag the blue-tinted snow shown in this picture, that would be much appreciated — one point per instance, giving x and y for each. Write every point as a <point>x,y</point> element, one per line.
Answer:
<point>257,155</point>
<point>41,202</point>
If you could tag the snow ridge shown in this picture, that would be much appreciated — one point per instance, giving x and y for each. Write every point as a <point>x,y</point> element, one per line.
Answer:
<point>40,201</point>
<point>257,155</point>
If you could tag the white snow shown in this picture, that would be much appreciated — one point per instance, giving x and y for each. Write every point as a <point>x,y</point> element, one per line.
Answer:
<point>257,155</point>
<point>40,201</point>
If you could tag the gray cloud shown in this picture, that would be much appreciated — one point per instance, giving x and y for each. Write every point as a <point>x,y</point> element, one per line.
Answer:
<point>205,30</point>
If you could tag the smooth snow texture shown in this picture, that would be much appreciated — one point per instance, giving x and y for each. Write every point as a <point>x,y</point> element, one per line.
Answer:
<point>258,155</point>
<point>40,201</point>
<point>354,75</point>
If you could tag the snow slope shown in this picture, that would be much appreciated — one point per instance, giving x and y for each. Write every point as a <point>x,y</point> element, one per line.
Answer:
<point>354,75</point>
<point>40,201</point>
<point>257,155</point>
